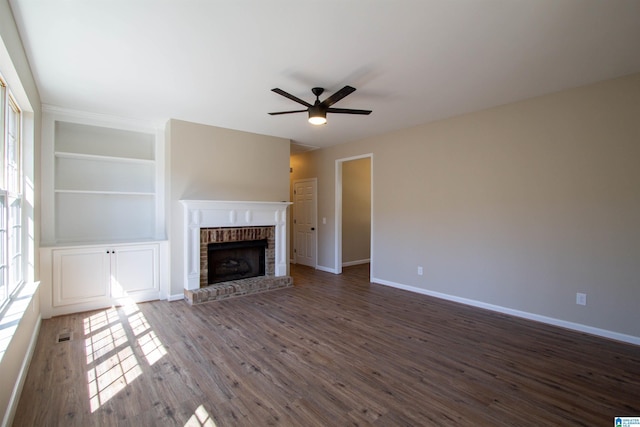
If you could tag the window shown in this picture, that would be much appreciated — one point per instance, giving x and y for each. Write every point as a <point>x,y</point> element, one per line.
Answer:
<point>11,263</point>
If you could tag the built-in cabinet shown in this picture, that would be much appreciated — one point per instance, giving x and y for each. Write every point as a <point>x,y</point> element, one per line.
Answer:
<point>102,211</point>
<point>89,277</point>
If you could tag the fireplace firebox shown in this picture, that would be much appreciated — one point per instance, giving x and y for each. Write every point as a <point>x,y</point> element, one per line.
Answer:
<point>235,260</point>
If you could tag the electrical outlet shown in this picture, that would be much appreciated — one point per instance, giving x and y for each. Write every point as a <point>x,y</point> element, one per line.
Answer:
<point>420,271</point>
<point>581,299</point>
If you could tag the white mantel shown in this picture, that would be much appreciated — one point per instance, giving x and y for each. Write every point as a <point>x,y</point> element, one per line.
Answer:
<point>221,213</point>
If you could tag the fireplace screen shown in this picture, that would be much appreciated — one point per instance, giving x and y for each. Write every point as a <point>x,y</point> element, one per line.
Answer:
<point>235,260</point>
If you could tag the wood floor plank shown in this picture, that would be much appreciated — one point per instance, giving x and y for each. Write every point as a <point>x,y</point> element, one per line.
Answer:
<point>332,350</point>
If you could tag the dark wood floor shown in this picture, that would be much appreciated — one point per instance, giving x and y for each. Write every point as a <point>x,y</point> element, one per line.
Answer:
<point>331,351</point>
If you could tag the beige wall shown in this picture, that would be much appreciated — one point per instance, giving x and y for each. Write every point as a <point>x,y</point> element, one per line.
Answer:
<point>356,210</point>
<point>520,206</point>
<point>210,163</point>
<point>15,68</point>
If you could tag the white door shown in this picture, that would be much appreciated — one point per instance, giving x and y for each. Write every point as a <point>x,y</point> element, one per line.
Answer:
<point>304,221</point>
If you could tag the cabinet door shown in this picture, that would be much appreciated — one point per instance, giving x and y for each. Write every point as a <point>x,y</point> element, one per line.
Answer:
<point>134,273</point>
<point>81,276</point>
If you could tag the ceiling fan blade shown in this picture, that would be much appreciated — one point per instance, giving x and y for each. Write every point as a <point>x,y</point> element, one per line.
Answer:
<point>291,97</point>
<point>348,111</point>
<point>288,112</point>
<point>338,96</point>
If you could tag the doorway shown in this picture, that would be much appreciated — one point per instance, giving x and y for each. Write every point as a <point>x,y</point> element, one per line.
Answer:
<point>351,213</point>
<point>305,243</point>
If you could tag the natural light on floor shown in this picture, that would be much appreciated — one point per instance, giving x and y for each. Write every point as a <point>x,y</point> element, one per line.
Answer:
<point>200,418</point>
<point>114,339</point>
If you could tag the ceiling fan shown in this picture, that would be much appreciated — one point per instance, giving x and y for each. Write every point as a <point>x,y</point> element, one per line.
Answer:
<point>318,111</point>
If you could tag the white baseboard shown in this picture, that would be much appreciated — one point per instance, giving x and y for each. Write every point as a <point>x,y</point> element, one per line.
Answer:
<point>357,262</point>
<point>22,376</point>
<point>517,313</point>
<point>327,269</point>
<point>175,297</point>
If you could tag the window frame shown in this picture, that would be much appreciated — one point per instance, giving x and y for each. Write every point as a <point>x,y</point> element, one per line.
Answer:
<point>12,244</point>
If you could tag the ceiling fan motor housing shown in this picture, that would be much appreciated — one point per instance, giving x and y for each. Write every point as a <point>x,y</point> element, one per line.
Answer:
<point>318,113</point>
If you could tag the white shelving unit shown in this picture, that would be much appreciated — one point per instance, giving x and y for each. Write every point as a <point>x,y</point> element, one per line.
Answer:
<point>102,179</point>
<point>108,174</point>
<point>102,193</point>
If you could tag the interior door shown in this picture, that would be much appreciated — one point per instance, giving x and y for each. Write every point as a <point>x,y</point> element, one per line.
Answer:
<point>304,221</point>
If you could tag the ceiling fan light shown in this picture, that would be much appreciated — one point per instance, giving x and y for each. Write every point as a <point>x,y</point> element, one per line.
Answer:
<point>317,120</point>
<point>317,116</point>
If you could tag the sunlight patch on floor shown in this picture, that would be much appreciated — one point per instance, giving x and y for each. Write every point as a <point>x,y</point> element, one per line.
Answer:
<point>151,347</point>
<point>200,418</point>
<point>104,334</point>
<point>110,377</point>
<point>115,339</point>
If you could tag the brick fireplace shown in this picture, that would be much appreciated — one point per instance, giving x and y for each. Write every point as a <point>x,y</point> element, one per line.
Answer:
<point>210,222</point>
<point>231,235</point>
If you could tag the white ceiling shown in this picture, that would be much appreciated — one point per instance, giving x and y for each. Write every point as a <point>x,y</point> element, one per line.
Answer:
<point>412,61</point>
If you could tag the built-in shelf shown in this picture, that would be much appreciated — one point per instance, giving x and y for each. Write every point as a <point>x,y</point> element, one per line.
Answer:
<point>103,180</point>
<point>108,141</point>
<point>118,193</point>
<point>98,157</point>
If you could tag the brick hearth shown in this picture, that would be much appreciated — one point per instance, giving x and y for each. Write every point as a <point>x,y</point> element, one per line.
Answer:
<point>237,288</point>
